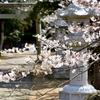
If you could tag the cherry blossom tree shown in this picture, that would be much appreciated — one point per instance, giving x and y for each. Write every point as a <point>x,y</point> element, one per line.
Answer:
<point>47,59</point>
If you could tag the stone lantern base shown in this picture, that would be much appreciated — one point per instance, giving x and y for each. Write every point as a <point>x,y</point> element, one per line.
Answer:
<point>70,92</point>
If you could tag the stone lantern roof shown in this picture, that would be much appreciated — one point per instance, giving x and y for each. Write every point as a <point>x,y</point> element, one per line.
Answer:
<point>60,23</point>
<point>74,11</point>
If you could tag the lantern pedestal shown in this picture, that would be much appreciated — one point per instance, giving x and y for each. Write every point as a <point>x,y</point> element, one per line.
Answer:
<point>70,92</point>
<point>78,87</point>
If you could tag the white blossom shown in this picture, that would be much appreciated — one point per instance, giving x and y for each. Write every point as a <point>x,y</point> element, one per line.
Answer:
<point>24,74</point>
<point>6,78</point>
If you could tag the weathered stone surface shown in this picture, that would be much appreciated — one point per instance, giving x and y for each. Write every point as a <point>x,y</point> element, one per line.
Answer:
<point>61,73</point>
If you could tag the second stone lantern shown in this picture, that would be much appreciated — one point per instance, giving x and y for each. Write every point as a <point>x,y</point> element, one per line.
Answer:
<point>60,32</point>
<point>78,88</point>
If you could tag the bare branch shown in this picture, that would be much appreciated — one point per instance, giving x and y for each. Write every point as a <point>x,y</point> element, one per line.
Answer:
<point>87,46</point>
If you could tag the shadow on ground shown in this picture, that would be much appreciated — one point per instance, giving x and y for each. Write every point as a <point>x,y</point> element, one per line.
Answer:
<point>10,91</point>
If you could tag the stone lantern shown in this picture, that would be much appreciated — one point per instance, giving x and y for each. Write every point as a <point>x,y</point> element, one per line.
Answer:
<point>60,26</point>
<point>78,88</point>
<point>60,31</point>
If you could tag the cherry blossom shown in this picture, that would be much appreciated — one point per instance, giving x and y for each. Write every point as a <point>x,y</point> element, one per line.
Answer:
<point>64,54</point>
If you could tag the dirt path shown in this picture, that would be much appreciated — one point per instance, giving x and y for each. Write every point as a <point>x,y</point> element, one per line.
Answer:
<point>46,88</point>
<point>31,87</point>
<point>17,59</point>
<point>8,91</point>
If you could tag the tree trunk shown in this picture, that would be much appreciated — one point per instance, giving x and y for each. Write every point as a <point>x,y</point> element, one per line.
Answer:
<point>38,31</point>
<point>96,82</point>
<point>2,35</point>
<point>97,75</point>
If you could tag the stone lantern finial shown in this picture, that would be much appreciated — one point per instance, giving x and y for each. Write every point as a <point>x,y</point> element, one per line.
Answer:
<point>60,23</point>
<point>74,11</point>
